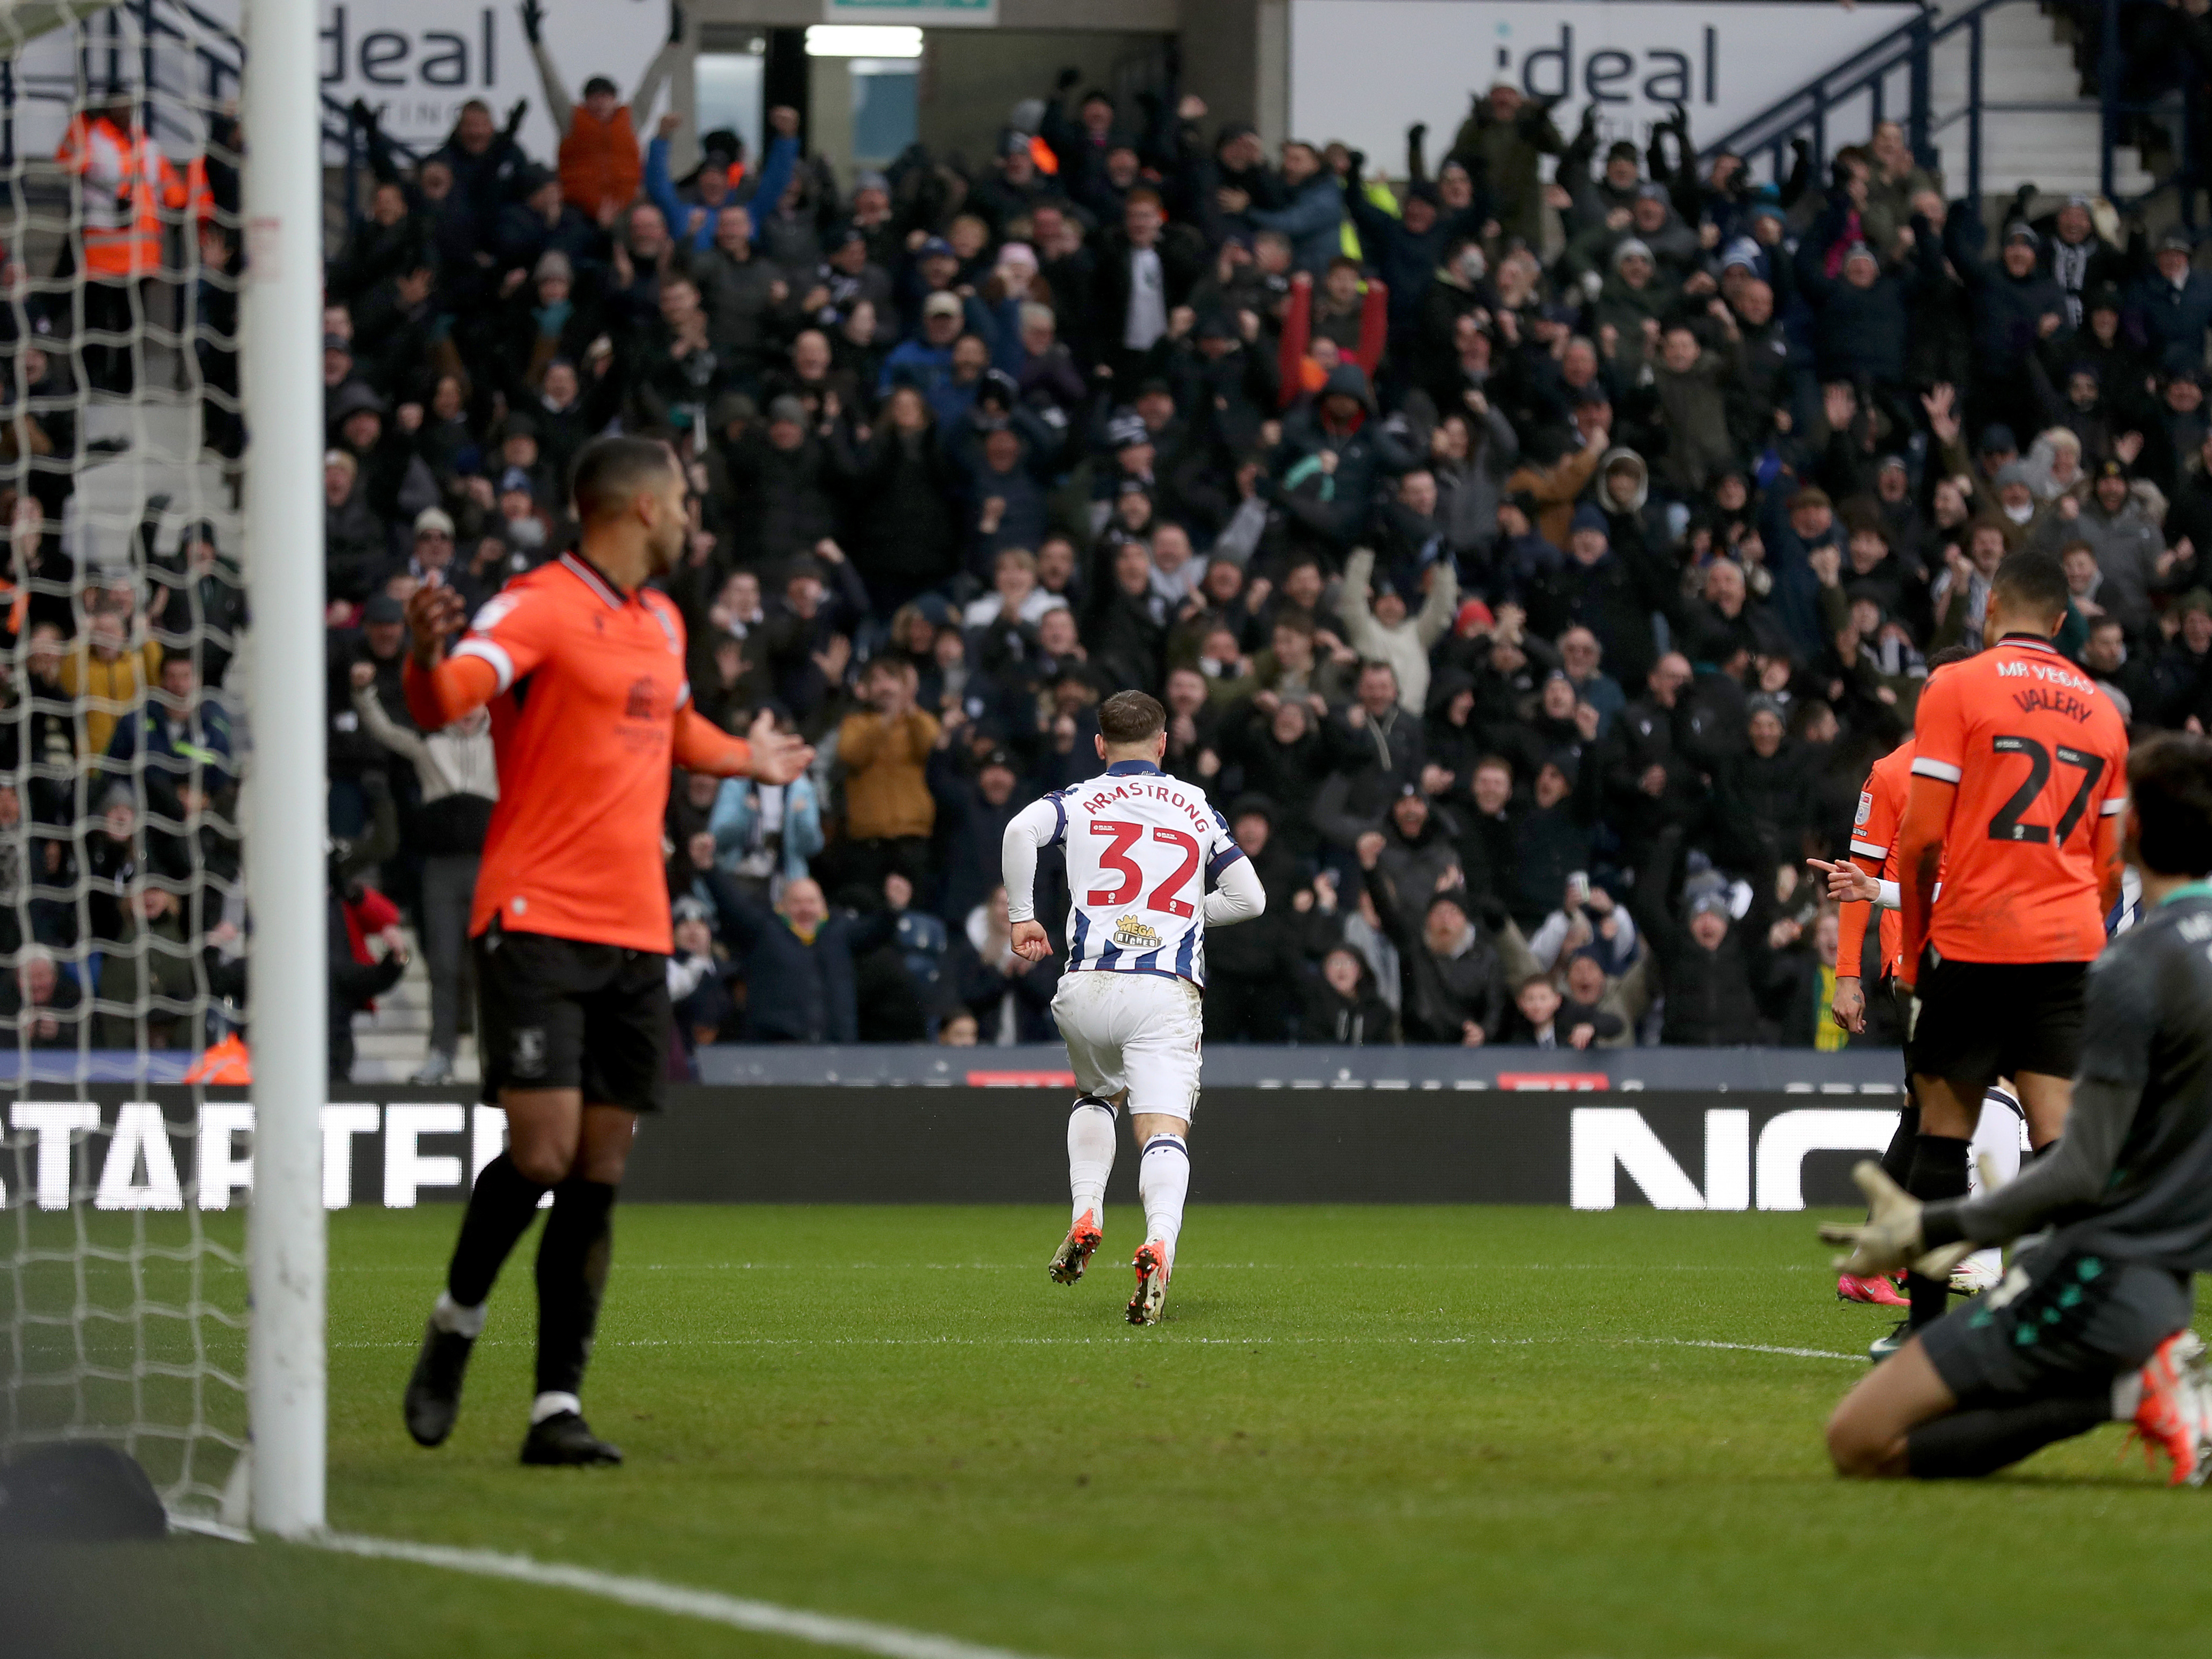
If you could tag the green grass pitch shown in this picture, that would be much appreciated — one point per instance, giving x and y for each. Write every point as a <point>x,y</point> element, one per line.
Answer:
<point>1394,1432</point>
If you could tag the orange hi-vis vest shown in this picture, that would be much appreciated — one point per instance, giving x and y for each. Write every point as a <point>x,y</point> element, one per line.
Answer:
<point>126,182</point>
<point>599,161</point>
<point>200,195</point>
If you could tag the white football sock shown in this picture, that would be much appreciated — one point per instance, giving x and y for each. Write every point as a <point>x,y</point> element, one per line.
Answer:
<point>450,1317</point>
<point>552,1405</point>
<point>2127,1395</point>
<point>1998,1134</point>
<point>1164,1181</point>
<point>1996,1138</point>
<point>1090,1155</point>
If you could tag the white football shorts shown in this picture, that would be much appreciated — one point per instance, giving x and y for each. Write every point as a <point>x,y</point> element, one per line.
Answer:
<point>1138,1031</point>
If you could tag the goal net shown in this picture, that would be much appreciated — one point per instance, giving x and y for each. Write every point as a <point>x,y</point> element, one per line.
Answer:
<point>127,735</point>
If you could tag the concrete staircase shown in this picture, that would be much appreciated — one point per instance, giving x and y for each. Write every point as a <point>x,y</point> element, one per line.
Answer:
<point>390,1043</point>
<point>2027,57</point>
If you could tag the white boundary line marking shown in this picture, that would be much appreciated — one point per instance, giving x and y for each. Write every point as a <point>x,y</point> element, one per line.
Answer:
<point>1159,1339</point>
<point>824,1630</point>
<point>1264,1266</point>
<point>1746,1347</point>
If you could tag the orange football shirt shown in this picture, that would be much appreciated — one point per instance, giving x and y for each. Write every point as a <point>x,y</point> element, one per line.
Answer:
<point>590,681</point>
<point>2039,756</point>
<point>1874,844</point>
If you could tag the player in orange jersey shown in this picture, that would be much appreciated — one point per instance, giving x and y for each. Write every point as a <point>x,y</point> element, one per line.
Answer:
<point>2018,786</point>
<point>1865,885</point>
<point>582,664</point>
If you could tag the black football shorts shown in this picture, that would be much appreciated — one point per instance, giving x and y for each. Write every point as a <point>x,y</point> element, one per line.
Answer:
<point>1979,1021</point>
<point>564,1013</point>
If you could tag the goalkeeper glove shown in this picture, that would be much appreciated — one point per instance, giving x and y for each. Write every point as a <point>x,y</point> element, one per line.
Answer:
<point>1889,1238</point>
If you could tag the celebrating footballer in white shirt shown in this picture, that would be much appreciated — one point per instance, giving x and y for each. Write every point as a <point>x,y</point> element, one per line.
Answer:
<point>1140,847</point>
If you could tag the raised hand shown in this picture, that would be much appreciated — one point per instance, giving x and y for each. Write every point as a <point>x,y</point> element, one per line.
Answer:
<point>777,757</point>
<point>434,614</point>
<point>1847,882</point>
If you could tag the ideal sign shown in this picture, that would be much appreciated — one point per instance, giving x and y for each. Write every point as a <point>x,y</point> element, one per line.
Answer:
<point>416,61</point>
<point>1362,71</point>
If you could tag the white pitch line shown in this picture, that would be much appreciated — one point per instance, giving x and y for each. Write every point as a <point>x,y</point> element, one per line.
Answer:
<point>1746,1347</point>
<point>1155,1339</point>
<point>431,1272</point>
<point>739,1613</point>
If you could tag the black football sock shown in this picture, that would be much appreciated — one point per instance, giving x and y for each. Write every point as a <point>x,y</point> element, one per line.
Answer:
<point>1897,1162</point>
<point>500,1208</point>
<point>1968,1443</point>
<point>1939,1171</point>
<point>572,1258</point>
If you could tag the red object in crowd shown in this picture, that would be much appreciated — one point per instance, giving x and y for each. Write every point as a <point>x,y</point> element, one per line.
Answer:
<point>1303,377</point>
<point>226,1062</point>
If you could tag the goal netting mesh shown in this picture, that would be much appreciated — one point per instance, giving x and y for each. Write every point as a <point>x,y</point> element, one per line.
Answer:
<point>125,1159</point>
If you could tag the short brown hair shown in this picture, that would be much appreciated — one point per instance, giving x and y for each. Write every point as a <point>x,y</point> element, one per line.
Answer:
<point>1129,717</point>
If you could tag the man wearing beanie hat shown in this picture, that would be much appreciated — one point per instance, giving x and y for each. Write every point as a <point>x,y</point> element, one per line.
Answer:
<point>2174,301</point>
<point>2016,305</point>
<point>1595,589</point>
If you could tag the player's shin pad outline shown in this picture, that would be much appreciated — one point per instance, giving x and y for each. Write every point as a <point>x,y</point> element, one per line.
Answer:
<point>823,1629</point>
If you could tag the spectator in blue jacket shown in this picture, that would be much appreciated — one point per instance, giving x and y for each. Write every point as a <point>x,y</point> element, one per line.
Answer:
<point>1407,247</point>
<point>764,832</point>
<point>1794,526</point>
<point>925,361</point>
<point>1314,215</point>
<point>692,223</point>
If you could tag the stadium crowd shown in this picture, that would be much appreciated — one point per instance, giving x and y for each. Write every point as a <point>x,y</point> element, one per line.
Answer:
<point>1532,558</point>
<point>1532,555</point>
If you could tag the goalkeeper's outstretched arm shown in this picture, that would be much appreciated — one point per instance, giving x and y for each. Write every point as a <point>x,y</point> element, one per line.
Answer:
<point>2076,1172</point>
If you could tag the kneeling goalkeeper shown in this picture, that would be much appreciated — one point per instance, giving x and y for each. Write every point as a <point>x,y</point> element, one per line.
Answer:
<point>2090,1325</point>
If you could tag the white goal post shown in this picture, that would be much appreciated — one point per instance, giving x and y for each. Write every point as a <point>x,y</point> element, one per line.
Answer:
<point>282,389</point>
<point>120,1323</point>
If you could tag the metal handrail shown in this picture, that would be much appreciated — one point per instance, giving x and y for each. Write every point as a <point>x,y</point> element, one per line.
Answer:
<point>1803,112</point>
<point>1893,48</point>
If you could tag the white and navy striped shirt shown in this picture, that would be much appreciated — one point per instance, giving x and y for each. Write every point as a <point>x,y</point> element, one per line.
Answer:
<point>1140,847</point>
